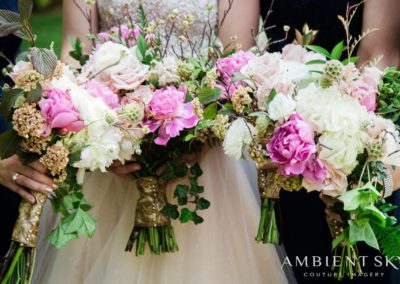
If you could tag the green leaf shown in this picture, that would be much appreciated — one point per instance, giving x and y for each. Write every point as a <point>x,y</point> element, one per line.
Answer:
<point>59,238</point>
<point>316,61</point>
<point>195,188</point>
<point>8,101</point>
<point>170,211</point>
<point>35,95</point>
<point>337,51</point>
<point>210,112</point>
<point>360,230</point>
<point>320,50</point>
<point>353,59</point>
<point>9,144</point>
<point>204,124</point>
<point>227,109</point>
<point>25,9</point>
<point>239,77</point>
<point>271,95</point>
<point>186,215</point>
<point>79,222</point>
<point>181,192</point>
<point>203,204</point>
<point>338,240</point>
<point>208,95</point>
<point>44,60</point>
<point>189,137</point>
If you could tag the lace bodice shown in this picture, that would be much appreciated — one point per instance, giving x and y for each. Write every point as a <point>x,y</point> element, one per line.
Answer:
<point>115,12</point>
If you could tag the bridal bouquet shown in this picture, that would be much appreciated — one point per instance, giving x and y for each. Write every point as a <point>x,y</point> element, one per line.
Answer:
<point>311,121</point>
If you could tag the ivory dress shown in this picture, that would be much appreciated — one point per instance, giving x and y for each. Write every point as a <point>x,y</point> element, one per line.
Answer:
<point>221,250</point>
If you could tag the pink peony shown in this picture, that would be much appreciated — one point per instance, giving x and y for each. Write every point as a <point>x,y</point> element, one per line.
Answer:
<point>96,89</point>
<point>59,112</point>
<point>315,171</point>
<point>232,64</point>
<point>292,146</point>
<point>170,114</point>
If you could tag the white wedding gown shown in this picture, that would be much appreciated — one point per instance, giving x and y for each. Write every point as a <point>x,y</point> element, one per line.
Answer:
<point>221,250</point>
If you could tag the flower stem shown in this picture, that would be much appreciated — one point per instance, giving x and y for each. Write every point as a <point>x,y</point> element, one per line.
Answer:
<point>13,265</point>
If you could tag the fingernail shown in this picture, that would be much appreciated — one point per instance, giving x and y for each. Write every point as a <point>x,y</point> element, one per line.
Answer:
<point>32,200</point>
<point>49,190</point>
<point>55,186</point>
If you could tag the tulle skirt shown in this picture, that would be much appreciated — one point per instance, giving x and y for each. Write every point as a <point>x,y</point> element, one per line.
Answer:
<point>220,250</point>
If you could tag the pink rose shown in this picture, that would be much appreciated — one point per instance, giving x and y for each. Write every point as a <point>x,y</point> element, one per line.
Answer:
<point>96,89</point>
<point>59,112</point>
<point>293,52</point>
<point>292,146</point>
<point>232,64</point>
<point>366,95</point>
<point>315,171</point>
<point>20,68</point>
<point>169,114</point>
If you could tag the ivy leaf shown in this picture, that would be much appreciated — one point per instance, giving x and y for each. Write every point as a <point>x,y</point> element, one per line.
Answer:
<point>181,192</point>
<point>208,95</point>
<point>171,211</point>
<point>337,51</point>
<point>360,230</point>
<point>186,215</point>
<point>35,95</point>
<point>197,219</point>
<point>203,204</point>
<point>59,238</point>
<point>25,9</point>
<point>195,187</point>
<point>43,60</point>
<point>8,101</point>
<point>9,143</point>
<point>195,170</point>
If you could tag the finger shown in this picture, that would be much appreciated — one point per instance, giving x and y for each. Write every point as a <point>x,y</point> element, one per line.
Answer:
<point>36,176</point>
<point>334,215</point>
<point>126,169</point>
<point>22,192</point>
<point>116,164</point>
<point>38,166</point>
<point>328,200</point>
<point>161,170</point>
<point>33,185</point>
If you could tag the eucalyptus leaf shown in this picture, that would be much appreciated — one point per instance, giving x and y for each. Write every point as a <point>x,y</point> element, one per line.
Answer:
<point>44,60</point>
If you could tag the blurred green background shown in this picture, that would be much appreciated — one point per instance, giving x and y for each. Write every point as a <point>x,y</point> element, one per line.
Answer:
<point>46,23</point>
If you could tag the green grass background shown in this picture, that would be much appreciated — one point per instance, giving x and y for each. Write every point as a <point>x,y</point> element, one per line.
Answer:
<point>48,28</point>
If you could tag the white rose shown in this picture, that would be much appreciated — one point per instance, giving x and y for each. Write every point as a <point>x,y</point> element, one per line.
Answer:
<point>238,137</point>
<point>296,71</point>
<point>340,150</point>
<point>281,107</point>
<point>109,54</point>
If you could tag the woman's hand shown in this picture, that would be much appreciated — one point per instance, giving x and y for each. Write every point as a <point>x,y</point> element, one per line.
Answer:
<point>125,170</point>
<point>22,179</point>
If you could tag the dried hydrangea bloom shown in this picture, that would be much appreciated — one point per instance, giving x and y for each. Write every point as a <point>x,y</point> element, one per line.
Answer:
<point>56,160</point>
<point>28,80</point>
<point>28,121</point>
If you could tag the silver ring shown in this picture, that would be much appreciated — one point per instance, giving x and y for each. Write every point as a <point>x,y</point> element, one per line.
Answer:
<point>15,177</point>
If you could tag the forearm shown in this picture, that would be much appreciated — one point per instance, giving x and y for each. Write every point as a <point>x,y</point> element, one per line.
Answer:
<point>76,25</point>
<point>381,15</point>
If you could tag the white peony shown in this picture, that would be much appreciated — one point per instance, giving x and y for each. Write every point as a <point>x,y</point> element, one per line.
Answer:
<point>281,107</point>
<point>238,137</point>
<point>296,71</point>
<point>327,110</point>
<point>109,54</point>
<point>165,71</point>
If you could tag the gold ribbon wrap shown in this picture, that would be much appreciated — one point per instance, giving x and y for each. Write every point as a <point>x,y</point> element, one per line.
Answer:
<point>268,184</point>
<point>152,200</point>
<point>26,228</point>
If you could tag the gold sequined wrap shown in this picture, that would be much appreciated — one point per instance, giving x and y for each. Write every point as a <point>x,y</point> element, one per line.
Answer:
<point>26,228</point>
<point>267,184</point>
<point>152,200</point>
